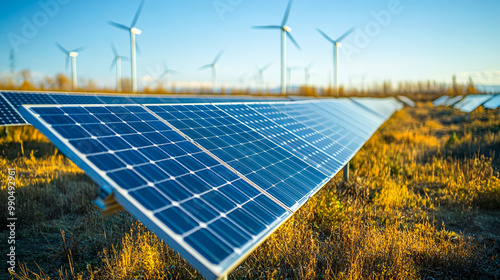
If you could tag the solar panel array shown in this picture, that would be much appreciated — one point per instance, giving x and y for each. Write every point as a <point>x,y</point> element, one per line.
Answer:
<point>11,101</point>
<point>212,180</point>
<point>471,102</point>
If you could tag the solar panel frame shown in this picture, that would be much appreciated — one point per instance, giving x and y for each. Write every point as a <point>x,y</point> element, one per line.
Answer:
<point>205,267</point>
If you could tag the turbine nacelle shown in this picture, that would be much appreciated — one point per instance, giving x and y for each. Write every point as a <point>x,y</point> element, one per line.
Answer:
<point>338,44</point>
<point>286,28</point>
<point>73,54</point>
<point>135,31</point>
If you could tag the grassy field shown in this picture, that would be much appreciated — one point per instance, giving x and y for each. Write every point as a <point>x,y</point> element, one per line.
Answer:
<point>423,203</point>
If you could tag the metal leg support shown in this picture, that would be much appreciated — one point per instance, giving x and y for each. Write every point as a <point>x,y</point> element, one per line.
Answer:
<point>346,172</point>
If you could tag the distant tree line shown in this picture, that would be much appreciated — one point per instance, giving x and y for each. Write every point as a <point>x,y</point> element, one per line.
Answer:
<point>23,80</point>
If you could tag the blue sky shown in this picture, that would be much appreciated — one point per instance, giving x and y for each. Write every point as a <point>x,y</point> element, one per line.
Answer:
<point>419,40</point>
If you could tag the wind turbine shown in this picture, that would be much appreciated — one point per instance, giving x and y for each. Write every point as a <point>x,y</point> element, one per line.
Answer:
<point>71,54</point>
<point>307,72</point>
<point>260,72</point>
<point>285,30</point>
<point>117,60</point>
<point>167,72</point>
<point>289,73</point>
<point>213,66</point>
<point>336,45</point>
<point>133,31</point>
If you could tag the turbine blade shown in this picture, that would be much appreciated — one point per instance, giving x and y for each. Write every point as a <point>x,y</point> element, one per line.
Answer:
<point>206,66</point>
<point>136,17</point>
<point>115,52</point>
<point>139,52</point>
<point>113,63</point>
<point>62,48</point>
<point>348,32</point>
<point>118,25</point>
<point>218,56</point>
<point>267,66</point>
<point>79,49</point>
<point>324,35</point>
<point>267,27</point>
<point>287,12</point>
<point>67,62</point>
<point>293,40</point>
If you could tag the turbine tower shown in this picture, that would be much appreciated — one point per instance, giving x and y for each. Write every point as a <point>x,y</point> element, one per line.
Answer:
<point>285,30</point>
<point>133,31</point>
<point>213,66</point>
<point>336,45</point>
<point>261,75</point>
<point>71,54</point>
<point>307,72</point>
<point>117,60</point>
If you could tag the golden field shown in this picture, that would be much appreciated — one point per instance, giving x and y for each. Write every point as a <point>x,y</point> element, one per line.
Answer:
<point>423,202</point>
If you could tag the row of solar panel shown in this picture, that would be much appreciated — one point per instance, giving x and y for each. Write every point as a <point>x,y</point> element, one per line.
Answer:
<point>470,102</point>
<point>213,180</point>
<point>11,101</point>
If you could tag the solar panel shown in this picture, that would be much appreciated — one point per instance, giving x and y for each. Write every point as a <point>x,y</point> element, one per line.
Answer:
<point>212,180</point>
<point>185,195</point>
<point>452,101</point>
<point>17,99</point>
<point>267,120</point>
<point>277,171</point>
<point>493,103</point>
<point>383,107</point>
<point>440,101</point>
<point>351,116</point>
<point>8,115</point>
<point>406,100</point>
<point>75,99</point>
<point>471,102</point>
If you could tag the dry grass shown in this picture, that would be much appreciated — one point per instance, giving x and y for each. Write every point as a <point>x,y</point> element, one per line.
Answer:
<point>423,203</point>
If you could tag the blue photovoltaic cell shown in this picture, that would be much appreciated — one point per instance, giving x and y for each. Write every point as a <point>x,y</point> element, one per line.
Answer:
<point>112,99</point>
<point>75,99</point>
<point>9,116</point>
<point>350,116</point>
<point>331,137</point>
<point>202,202</point>
<point>284,131</point>
<point>17,99</point>
<point>277,171</point>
